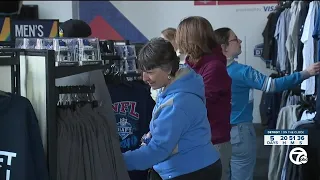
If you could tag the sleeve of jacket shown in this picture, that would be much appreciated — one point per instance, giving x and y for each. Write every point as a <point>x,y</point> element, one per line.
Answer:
<point>169,126</point>
<point>255,79</point>
<point>216,81</point>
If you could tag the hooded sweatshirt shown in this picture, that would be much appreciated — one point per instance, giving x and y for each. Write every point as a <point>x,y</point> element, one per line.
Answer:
<point>181,136</point>
<point>245,79</point>
<point>212,67</point>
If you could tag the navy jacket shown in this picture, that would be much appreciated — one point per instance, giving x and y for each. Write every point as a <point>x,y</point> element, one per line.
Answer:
<point>21,151</point>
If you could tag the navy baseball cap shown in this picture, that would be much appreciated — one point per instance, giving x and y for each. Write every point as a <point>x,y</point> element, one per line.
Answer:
<point>75,28</point>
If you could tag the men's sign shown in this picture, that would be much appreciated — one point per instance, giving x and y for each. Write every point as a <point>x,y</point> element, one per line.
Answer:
<point>11,28</point>
<point>35,28</point>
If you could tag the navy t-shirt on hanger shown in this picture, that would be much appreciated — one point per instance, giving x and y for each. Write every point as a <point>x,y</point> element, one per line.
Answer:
<point>132,105</point>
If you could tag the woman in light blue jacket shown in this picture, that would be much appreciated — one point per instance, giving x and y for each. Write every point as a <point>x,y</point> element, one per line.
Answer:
<point>180,147</point>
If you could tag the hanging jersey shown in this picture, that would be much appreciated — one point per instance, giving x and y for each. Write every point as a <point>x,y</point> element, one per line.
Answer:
<point>21,151</point>
<point>132,106</point>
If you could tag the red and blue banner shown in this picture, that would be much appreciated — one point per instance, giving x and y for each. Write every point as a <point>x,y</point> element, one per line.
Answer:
<point>107,22</point>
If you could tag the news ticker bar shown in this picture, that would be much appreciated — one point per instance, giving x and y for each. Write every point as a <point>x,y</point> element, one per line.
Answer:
<point>286,137</point>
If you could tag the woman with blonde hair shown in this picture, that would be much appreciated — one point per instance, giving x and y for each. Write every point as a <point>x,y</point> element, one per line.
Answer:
<point>195,37</point>
<point>169,34</point>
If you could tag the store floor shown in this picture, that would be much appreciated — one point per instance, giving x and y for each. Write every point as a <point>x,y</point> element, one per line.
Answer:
<point>261,171</point>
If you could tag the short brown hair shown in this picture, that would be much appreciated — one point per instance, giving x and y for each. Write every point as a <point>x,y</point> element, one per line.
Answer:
<point>158,53</point>
<point>223,35</point>
<point>195,37</point>
<point>170,35</point>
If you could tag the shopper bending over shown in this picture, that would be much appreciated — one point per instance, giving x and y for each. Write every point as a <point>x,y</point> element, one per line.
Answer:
<point>195,38</point>
<point>169,34</point>
<point>180,146</point>
<point>244,79</point>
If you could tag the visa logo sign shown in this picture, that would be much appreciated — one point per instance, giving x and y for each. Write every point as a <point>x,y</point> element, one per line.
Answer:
<point>269,8</point>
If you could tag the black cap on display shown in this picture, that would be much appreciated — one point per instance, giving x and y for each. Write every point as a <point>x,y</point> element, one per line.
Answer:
<point>75,28</point>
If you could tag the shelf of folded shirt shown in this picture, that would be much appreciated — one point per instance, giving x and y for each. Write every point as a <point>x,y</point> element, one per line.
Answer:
<point>8,56</point>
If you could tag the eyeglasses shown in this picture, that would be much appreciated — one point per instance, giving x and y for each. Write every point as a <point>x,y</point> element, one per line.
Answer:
<point>235,39</point>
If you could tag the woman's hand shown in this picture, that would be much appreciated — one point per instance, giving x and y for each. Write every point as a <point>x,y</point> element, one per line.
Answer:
<point>146,139</point>
<point>314,69</point>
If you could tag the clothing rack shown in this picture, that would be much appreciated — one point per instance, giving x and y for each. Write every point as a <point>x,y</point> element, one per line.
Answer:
<point>75,89</point>
<point>38,68</point>
<point>8,58</point>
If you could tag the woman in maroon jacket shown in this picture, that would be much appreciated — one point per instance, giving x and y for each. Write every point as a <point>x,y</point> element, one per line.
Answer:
<point>195,38</point>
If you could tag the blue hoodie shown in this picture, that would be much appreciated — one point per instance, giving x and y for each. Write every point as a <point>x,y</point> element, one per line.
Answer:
<point>181,135</point>
<point>245,79</point>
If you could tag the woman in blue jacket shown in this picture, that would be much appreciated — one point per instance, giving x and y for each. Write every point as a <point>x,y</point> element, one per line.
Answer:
<point>244,79</point>
<point>180,147</point>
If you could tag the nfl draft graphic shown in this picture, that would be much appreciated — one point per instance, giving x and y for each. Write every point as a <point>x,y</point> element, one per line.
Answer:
<point>127,123</point>
<point>124,128</point>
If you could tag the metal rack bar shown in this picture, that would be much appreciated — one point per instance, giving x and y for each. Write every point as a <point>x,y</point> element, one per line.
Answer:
<point>75,89</point>
<point>12,58</point>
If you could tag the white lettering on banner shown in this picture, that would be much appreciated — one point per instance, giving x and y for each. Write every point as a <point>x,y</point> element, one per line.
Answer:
<point>29,31</point>
<point>301,158</point>
<point>9,155</point>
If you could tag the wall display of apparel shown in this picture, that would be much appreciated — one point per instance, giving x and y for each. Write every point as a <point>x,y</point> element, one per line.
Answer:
<point>289,38</point>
